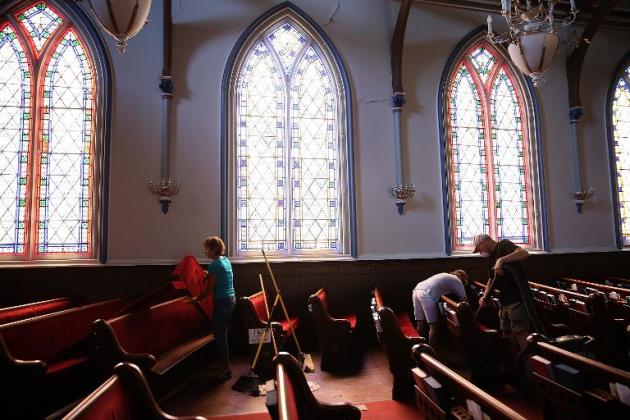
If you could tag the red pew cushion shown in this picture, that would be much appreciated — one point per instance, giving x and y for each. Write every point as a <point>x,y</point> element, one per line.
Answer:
<point>323,296</point>
<point>287,325</point>
<point>406,326</point>
<point>352,318</point>
<point>258,302</point>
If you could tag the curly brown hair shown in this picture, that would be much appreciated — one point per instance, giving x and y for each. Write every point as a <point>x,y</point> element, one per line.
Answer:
<point>215,243</point>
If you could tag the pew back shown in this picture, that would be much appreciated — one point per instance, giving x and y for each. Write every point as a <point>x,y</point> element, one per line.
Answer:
<point>46,337</point>
<point>455,391</point>
<point>33,309</point>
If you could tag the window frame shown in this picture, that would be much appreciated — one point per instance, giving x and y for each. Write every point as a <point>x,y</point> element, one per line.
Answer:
<point>318,40</point>
<point>532,150</point>
<point>77,21</point>
<point>618,73</point>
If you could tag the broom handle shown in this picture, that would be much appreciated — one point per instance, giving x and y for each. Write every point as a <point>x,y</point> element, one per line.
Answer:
<point>284,309</point>
<point>273,339</point>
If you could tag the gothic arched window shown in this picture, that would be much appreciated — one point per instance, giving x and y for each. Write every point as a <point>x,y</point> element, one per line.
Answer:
<point>620,124</point>
<point>49,141</point>
<point>288,149</point>
<point>489,137</point>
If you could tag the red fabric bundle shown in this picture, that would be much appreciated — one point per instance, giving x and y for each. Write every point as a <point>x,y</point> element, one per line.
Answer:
<point>189,274</point>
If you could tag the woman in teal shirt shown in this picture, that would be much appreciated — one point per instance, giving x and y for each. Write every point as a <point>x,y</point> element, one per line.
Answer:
<point>224,300</point>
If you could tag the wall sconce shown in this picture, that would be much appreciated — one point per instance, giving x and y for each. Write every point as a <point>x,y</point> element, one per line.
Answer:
<point>401,193</point>
<point>164,189</point>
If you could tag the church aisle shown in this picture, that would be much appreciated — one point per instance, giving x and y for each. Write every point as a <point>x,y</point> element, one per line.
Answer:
<point>200,397</point>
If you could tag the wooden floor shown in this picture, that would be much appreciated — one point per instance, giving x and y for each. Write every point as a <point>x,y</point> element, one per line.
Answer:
<point>208,398</point>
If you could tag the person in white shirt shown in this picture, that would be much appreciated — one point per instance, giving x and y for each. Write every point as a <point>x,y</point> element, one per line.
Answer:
<point>426,296</point>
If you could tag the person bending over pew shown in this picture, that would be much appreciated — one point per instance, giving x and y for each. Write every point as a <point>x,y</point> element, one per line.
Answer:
<point>514,319</point>
<point>224,300</point>
<point>426,296</point>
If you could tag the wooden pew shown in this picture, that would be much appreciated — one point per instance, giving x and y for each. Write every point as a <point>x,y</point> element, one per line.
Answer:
<point>166,341</point>
<point>443,394</point>
<point>48,361</point>
<point>588,315</point>
<point>33,309</point>
<point>616,297</point>
<point>125,395</point>
<point>292,399</point>
<point>576,387</point>
<point>567,312</point>
<point>336,337</point>
<point>396,335</point>
<point>481,347</point>
<point>255,315</point>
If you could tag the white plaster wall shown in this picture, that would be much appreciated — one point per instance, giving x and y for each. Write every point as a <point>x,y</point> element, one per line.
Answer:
<point>205,33</point>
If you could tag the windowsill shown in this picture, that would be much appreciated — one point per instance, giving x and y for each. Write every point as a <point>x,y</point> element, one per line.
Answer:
<point>471,254</point>
<point>50,263</point>
<point>284,259</point>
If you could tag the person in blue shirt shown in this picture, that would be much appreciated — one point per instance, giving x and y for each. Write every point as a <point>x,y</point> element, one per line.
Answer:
<point>224,300</point>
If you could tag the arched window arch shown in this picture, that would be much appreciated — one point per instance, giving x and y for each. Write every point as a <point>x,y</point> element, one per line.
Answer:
<point>287,138</point>
<point>619,127</point>
<point>52,101</point>
<point>490,152</point>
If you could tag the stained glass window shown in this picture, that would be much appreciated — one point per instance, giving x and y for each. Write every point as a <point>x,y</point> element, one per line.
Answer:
<point>46,137</point>
<point>287,164</point>
<point>15,120</point>
<point>39,22</point>
<point>66,148</point>
<point>621,146</point>
<point>487,149</point>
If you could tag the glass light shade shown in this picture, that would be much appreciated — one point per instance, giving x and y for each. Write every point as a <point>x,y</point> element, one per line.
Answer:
<point>533,53</point>
<point>122,19</point>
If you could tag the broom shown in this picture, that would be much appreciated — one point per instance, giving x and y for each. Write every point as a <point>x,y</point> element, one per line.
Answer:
<point>250,383</point>
<point>306,359</point>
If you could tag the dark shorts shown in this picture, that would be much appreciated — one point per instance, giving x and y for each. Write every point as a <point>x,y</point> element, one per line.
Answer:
<point>514,317</point>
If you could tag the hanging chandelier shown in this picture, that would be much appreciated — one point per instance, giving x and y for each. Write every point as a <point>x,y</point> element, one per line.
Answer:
<point>532,35</point>
<point>122,19</point>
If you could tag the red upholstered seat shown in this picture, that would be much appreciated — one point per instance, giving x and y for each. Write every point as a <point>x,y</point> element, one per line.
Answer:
<point>406,326</point>
<point>258,304</point>
<point>289,325</point>
<point>352,319</point>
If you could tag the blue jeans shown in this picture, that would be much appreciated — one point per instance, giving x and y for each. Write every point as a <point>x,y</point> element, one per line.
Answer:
<point>221,318</point>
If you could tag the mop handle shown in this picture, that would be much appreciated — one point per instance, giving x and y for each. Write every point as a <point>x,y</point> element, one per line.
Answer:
<point>262,287</point>
<point>284,309</point>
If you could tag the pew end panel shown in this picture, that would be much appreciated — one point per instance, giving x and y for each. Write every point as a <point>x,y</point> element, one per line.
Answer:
<point>294,399</point>
<point>125,395</point>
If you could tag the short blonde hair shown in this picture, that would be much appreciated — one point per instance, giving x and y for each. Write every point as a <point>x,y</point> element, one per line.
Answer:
<point>215,243</point>
<point>461,274</point>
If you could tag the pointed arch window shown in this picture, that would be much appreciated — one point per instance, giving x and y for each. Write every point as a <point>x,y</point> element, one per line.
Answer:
<point>288,143</point>
<point>620,122</point>
<point>490,147</point>
<point>49,142</point>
